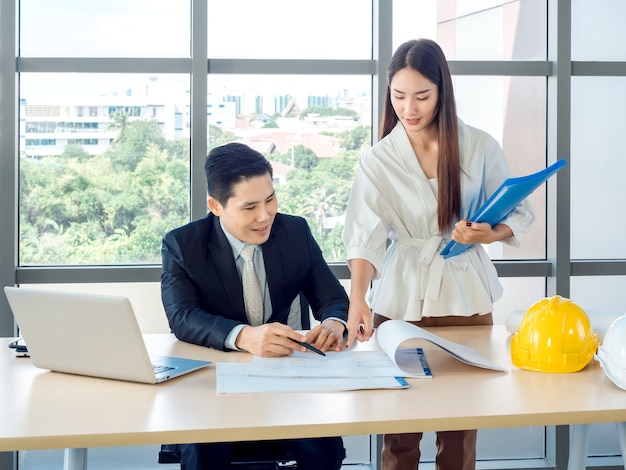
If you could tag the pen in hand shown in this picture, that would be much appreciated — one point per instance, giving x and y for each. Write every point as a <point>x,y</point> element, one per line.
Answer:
<point>308,346</point>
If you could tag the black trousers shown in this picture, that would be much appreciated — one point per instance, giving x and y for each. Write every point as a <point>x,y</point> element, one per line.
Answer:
<point>324,453</point>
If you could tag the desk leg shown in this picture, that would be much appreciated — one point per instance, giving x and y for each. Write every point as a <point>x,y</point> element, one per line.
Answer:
<point>578,442</point>
<point>621,429</point>
<point>75,459</point>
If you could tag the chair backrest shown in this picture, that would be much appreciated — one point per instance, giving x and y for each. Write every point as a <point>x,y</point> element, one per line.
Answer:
<point>299,314</point>
<point>249,455</point>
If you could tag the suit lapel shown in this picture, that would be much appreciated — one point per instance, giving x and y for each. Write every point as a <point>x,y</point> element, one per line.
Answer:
<point>220,255</point>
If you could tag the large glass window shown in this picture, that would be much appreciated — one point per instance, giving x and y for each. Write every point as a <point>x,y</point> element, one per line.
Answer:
<point>312,129</point>
<point>598,31</point>
<point>104,167</point>
<point>284,29</point>
<point>597,152</point>
<point>492,29</point>
<point>512,110</point>
<point>105,28</point>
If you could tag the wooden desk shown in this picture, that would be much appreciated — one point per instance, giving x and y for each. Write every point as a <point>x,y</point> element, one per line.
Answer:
<point>45,410</point>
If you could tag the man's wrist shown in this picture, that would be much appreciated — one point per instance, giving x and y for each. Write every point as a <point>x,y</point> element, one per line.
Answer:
<point>341,322</point>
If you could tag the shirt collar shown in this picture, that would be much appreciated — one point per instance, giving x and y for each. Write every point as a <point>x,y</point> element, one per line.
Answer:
<point>236,244</point>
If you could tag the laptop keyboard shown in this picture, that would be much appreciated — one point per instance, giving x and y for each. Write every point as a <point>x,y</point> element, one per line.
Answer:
<point>158,368</point>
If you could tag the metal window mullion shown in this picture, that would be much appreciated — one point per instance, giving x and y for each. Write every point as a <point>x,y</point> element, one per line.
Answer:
<point>198,103</point>
<point>382,50</point>
<point>9,135</point>
<point>558,195</point>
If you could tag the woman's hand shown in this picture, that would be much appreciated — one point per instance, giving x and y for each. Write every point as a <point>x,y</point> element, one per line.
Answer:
<point>479,232</point>
<point>359,322</point>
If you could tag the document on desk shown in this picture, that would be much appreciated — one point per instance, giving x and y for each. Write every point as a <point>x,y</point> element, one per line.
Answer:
<point>391,334</point>
<point>234,377</point>
<point>346,364</point>
<point>390,359</point>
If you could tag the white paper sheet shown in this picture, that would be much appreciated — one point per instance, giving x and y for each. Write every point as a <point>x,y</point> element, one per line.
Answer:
<point>352,363</point>
<point>392,333</point>
<point>234,377</point>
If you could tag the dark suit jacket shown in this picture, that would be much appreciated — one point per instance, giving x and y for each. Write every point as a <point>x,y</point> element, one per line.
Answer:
<point>201,289</point>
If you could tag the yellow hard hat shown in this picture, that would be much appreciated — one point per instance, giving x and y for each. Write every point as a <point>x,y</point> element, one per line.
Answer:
<point>555,335</point>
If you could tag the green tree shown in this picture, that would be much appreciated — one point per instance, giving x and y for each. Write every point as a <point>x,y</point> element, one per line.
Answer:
<point>126,153</point>
<point>355,139</point>
<point>218,136</point>
<point>319,204</point>
<point>115,207</point>
<point>120,123</point>
<point>300,157</point>
<point>75,152</point>
<point>102,210</point>
<point>270,125</point>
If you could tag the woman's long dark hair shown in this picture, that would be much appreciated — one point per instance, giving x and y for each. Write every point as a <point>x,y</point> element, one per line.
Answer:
<point>427,58</point>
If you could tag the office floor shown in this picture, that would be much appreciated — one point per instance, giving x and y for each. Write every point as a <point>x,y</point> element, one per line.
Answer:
<point>107,458</point>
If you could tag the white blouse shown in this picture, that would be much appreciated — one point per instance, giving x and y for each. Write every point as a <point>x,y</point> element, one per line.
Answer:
<point>392,198</point>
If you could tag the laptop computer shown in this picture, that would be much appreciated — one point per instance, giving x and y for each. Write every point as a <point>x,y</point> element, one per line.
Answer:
<point>89,334</point>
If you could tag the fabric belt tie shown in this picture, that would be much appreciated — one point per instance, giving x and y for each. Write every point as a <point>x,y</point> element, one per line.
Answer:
<point>431,271</point>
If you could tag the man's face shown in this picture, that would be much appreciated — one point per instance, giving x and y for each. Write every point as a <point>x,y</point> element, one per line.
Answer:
<point>249,214</point>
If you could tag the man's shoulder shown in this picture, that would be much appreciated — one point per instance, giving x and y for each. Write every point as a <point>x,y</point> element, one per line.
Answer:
<point>194,228</point>
<point>290,219</point>
<point>289,223</point>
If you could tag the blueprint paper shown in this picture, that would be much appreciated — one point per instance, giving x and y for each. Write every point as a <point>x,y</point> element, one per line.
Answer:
<point>346,364</point>
<point>234,377</point>
<point>392,333</point>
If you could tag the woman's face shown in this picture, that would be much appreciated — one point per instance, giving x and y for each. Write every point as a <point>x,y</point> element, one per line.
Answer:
<point>414,98</point>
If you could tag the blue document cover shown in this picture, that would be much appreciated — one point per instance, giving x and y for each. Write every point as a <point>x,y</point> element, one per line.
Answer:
<point>504,200</point>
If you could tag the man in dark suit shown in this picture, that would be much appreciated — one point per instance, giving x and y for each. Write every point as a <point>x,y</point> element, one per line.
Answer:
<point>202,291</point>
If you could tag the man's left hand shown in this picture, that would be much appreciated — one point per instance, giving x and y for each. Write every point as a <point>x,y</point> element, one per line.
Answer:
<point>328,335</point>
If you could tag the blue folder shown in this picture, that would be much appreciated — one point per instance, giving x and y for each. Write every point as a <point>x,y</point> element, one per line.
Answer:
<point>504,200</point>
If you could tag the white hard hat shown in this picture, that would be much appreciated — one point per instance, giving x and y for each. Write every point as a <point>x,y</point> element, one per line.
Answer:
<point>612,352</point>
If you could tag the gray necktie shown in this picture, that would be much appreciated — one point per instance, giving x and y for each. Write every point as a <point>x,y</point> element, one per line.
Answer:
<point>252,297</point>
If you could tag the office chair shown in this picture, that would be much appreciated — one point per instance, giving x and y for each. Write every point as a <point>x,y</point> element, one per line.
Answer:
<point>257,455</point>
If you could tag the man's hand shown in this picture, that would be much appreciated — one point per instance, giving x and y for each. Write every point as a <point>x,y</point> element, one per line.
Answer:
<point>270,340</point>
<point>327,335</point>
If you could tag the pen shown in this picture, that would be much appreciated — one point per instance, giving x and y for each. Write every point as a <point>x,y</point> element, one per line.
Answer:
<point>308,346</point>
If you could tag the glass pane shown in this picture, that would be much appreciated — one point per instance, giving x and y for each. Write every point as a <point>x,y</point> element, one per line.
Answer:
<point>105,28</point>
<point>512,110</point>
<point>603,440</point>
<point>312,129</point>
<point>597,185</point>
<point>602,297</point>
<point>598,31</point>
<point>519,294</point>
<point>476,29</point>
<point>104,167</point>
<point>284,29</point>
<point>413,20</point>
